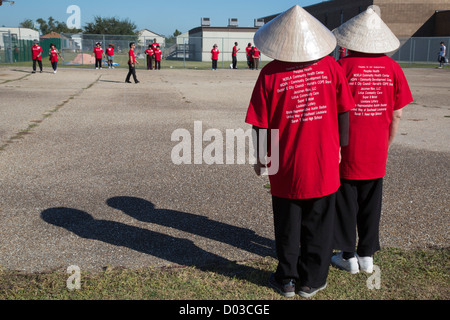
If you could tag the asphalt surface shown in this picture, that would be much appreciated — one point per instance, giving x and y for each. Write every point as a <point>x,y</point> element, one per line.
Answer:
<point>87,178</point>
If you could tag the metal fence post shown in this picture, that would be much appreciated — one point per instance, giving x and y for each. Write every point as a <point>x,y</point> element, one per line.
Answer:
<point>410,51</point>
<point>10,53</point>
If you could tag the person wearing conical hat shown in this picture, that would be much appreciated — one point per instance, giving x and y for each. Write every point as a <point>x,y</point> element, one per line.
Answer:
<point>300,95</point>
<point>380,91</point>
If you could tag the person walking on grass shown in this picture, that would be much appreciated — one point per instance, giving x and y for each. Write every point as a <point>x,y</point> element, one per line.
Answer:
<point>132,64</point>
<point>54,54</point>
<point>36,53</point>
<point>372,128</point>
<point>442,53</point>
<point>310,130</point>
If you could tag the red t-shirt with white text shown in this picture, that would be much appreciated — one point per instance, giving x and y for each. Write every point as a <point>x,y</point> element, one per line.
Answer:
<point>98,51</point>
<point>110,51</point>
<point>54,55</point>
<point>149,52</point>
<point>36,50</point>
<point>302,101</point>
<point>158,54</point>
<point>215,54</point>
<point>379,87</point>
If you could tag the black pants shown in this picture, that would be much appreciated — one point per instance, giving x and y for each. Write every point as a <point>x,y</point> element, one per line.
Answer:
<point>234,62</point>
<point>157,65</point>
<point>149,62</point>
<point>34,64</point>
<point>358,205</point>
<point>304,238</point>
<point>214,64</point>
<point>98,63</point>
<point>250,62</point>
<point>55,65</point>
<point>131,71</point>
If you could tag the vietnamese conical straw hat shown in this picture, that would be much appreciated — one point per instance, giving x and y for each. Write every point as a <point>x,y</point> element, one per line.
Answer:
<point>367,33</point>
<point>295,36</point>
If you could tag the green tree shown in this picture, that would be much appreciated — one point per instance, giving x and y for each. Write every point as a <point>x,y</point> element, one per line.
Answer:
<point>52,25</point>
<point>176,33</point>
<point>28,23</point>
<point>110,26</point>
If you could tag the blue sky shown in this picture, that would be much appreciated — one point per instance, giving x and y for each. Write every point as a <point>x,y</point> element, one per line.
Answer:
<point>162,16</point>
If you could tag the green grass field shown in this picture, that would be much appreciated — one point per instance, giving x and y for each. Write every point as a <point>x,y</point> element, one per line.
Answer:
<point>122,60</point>
<point>405,275</point>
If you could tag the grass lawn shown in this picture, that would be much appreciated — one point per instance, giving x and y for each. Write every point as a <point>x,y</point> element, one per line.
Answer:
<point>122,60</point>
<point>405,275</point>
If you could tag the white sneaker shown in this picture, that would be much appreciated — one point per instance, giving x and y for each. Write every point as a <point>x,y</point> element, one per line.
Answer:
<point>350,265</point>
<point>365,264</point>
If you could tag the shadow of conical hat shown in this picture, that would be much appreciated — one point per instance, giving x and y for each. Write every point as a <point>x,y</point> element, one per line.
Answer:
<point>366,33</point>
<point>295,36</point>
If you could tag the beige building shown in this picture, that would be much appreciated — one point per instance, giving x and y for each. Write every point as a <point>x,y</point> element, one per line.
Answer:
<point>146,37</point>
<point>406,18</point>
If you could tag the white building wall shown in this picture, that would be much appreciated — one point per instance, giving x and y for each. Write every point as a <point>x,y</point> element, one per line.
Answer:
<point>146,36</point>
<point>19,33</point>
<point>225,39</point>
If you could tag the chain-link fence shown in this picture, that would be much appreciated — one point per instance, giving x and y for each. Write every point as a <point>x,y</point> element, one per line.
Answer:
<point>185,51</point>
<point>14,50</point>
<point>420,50</point>
<point>180,52</point>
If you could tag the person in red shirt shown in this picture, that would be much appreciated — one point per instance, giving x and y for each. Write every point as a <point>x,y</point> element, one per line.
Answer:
<point>301,98</point>
<point>54,54</point>
<point>132,64</point>
<point>342,52</point>
<point>234,55</point>
<point>158,56</point>
<point>214,56</point>
<point>98,55</point>
<point>154,44</point>
<point>255,56</point>
<point>249,56</point>
<point>36,52</point>
<point>380,91</point>
<point>110,56</point>
<point>149,53</point>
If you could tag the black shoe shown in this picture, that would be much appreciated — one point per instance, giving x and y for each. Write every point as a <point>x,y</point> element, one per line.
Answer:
<point>137,81</point>
<point>286,289</point>
<point>127,81</point>
<point>33,72</point>
<point>308,292</point>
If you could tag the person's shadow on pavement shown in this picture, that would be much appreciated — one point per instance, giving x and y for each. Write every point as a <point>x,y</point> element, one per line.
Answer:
<point>176,250</point>
<point>242,238</point>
